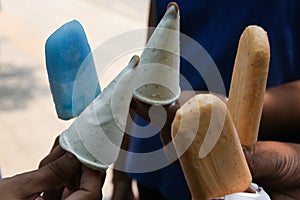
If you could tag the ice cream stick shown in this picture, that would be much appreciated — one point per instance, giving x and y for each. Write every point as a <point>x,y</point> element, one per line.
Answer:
<point>248,83</point>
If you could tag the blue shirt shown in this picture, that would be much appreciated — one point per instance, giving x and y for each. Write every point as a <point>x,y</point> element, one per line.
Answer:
<point>217,26</point>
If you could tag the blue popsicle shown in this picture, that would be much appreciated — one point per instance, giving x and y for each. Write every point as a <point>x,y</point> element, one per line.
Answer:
<point>71,70</point>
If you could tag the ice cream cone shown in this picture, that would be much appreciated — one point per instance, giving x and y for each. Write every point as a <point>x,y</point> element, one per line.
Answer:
<point>162,50</point>
<point>95,136</point>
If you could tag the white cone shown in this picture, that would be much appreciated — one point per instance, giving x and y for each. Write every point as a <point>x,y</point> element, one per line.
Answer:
<point>96,135</point>
<point>162,50</point>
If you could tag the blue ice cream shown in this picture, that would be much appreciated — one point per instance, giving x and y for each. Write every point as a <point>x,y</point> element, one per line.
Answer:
<point>71,70</point>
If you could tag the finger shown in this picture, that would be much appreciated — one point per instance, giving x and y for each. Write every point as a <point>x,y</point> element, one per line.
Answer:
<point>49,176</point>
<point>140,108</point>
<point>64,189</point>
<point>91,184</point>
<point>84,195</point>
<point>292,194</point>
<point>91,179</point>
<point>11,188</point>
<point>56,142</point>
<point>55,193</point>
<point>74,182</point>
<point>56,153</point>
<point>275,164</point>
<point>67,192</point>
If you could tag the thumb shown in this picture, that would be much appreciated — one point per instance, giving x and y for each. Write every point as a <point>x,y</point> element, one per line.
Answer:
<point>274,165</point>
<point>47,177</point>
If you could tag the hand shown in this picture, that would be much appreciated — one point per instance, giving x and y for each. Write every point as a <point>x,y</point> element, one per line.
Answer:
<point>60,176</point>
<point>122,183</point>
<point>142,109</point>
<point>276,167</point>
<point>83,183</point>
<point>122,186</point>
<point>281,113</point>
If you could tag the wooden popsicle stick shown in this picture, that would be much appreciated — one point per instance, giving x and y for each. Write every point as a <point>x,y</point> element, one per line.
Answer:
<point>224,169</point>
<point>248,84</point>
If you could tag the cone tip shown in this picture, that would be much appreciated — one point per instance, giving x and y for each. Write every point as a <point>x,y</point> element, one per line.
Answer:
<point>173,4</point>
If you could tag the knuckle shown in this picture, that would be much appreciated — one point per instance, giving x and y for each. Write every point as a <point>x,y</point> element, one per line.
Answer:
<point>57,169</point>
<point>96,195</point>
<point>43,162</point>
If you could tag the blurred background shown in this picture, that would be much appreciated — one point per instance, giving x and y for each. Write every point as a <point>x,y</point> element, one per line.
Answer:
<point>28,122</point>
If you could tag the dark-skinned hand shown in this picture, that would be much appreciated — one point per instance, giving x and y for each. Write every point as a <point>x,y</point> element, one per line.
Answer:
<point>60,176</point>
<point>276,167</point>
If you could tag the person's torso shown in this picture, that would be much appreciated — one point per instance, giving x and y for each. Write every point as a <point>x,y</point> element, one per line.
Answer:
<point>217,26</point>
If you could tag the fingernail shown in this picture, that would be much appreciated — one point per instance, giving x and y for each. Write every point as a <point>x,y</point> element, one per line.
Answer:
<point>39,198</point>
<point>70,155</point>
<point>133,105</point>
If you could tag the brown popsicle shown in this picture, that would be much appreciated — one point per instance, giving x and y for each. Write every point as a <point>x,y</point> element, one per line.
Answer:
<point>248,84</point>
<point>218,169</point>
